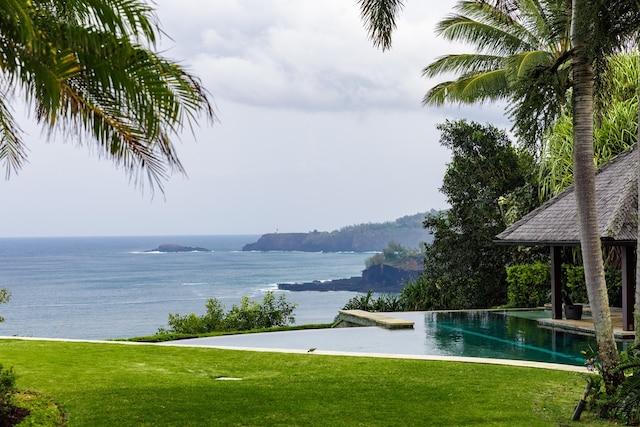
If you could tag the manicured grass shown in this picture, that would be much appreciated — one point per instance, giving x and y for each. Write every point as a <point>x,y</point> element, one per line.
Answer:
<point>111,384</point>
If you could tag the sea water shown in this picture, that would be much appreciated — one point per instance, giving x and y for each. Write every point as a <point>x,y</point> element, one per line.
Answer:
<point>112,287</point>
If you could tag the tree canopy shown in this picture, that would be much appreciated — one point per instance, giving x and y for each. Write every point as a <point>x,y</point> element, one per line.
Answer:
<point>463,268</point>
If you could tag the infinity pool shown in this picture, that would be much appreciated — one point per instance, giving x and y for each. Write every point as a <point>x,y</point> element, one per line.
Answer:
<point>501,334</point>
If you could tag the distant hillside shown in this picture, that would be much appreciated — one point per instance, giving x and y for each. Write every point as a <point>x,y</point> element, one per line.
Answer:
<point>407,231</point>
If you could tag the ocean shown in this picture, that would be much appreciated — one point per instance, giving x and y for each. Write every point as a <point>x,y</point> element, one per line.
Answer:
<point>110,287</point>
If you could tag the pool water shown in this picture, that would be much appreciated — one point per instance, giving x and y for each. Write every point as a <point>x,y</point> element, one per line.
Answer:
<point>503,334</point>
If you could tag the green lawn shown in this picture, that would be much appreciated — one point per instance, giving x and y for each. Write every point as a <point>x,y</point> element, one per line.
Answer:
<point>109,384</point>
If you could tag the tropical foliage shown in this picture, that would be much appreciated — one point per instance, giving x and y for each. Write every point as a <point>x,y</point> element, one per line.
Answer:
<point>88,70</point>
<point>615,126</point>
<point>529,284</point>
<point>520,55</point>
<point>375,303</point>
<point>249,314</point>
<point>7,389</point>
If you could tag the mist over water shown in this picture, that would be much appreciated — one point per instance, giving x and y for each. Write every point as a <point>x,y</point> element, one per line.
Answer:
<point>110,287</point>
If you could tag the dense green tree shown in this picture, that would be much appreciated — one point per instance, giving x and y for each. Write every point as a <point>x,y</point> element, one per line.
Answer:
<point>394,254</point>
<point>462,261</point>
<point>88,70</point>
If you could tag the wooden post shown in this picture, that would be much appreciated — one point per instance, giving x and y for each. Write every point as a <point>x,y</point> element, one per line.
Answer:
<point>556,282</point>
<point>628,285</point>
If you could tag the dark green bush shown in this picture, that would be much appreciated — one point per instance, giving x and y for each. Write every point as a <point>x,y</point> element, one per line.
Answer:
<point>528,285</point>
<point>7,388</point>
<point>246,316</point>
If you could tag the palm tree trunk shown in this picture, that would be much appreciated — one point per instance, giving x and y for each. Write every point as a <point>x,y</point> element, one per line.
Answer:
<point>585,190</point>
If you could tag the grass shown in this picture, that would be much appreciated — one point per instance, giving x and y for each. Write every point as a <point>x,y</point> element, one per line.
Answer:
<point>107,384</point>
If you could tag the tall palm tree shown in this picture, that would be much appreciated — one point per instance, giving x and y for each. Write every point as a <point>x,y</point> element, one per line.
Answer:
<point>88,70</point>
<point>585,189</point>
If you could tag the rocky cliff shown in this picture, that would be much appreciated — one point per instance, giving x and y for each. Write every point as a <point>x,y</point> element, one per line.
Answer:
<point>377,278</point>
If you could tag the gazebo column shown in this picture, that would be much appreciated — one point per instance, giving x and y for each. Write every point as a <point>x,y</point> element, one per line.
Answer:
<point>628,285</point>
<point>556,282</point>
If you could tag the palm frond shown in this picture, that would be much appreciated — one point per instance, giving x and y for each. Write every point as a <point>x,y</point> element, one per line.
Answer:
<point>12,148</point>
<point>463,64</point>
<point>491,85</point>
<point>484,37</point>
<point>98,80</point>
<point>523,64</point>
<point>379,17</point>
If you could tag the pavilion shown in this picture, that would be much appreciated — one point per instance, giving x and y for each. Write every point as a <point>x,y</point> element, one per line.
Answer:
<point>555,224</point>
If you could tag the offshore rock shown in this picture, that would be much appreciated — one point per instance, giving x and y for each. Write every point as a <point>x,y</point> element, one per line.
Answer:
<point>377,278</point>
<point>170,247</point>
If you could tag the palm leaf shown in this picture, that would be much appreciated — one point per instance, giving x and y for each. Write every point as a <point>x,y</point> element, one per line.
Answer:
<point>463,64</point>
<point>12,148</point>
<point>379,17</point>
<point>96,79</point>
<point>491,85</point>
<point>523,64</point>
<point>485,37</point>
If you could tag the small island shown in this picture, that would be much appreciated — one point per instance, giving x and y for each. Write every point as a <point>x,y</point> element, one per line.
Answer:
<point>171,247</point>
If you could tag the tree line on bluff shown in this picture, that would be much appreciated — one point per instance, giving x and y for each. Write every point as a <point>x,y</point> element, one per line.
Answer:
<point>407,231</point>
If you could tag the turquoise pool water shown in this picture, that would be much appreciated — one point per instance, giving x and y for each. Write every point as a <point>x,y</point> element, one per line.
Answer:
<point>505,335</point>
<point>488,334</point>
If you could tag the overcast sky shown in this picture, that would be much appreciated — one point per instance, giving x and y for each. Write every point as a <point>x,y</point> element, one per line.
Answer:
<point>317,130</point>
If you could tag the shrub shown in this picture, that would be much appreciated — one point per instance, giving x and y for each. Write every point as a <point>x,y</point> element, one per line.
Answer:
<point>383,303</point>
<point>7,388</point>
<point>427,293</point>
<point>528,285</point>
<point>246,316</point>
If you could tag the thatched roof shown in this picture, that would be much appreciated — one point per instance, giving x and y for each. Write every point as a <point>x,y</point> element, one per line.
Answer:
<point>556,221</point>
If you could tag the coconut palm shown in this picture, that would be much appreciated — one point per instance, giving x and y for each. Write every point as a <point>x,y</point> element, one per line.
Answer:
<point>88,70</point>
<point>599,27</point>
<point>520,55</point>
